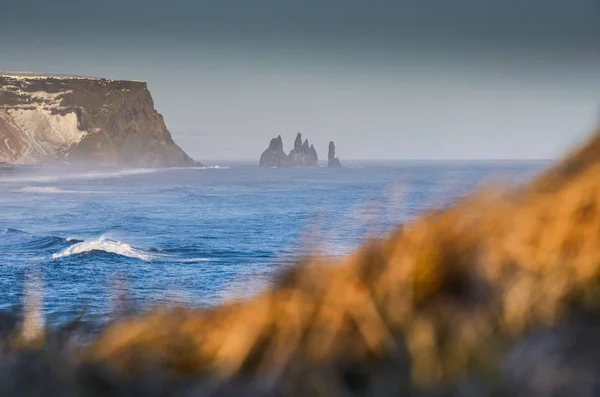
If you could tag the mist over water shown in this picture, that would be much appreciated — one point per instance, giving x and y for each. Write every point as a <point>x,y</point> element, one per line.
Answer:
<point>203,233</point>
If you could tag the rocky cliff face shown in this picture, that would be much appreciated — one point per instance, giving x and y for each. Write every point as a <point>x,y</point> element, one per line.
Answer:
<point>83,121</point>
<point>302,155</point>
<point>333,161</point>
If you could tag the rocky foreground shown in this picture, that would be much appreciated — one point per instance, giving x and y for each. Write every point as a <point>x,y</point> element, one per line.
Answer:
<point>81,120</point>
<point>498,295</point>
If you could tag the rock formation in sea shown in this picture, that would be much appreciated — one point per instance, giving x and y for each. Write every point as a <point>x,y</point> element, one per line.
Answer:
<point>302,155</point>
<point>274,156</point>
<point>333,161</point>
<point>83,120</point>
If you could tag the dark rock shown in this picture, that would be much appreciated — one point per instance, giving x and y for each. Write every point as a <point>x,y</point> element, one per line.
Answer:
<point>274,156</point>
<point>83,121</point>
<point>313,152</point>
<point>333,161</point>
<point>303,154</point>
<point>298,142</point>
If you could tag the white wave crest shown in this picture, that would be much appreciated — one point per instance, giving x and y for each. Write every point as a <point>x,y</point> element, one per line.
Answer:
<point>54,190</point>
<point>200,167</point>
<point>90,175</point>
<point>45,190</point>
<point>107,245</point>
<point>193,260</point>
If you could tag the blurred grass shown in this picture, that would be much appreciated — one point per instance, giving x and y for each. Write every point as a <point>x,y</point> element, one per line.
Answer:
<point>440,299</point>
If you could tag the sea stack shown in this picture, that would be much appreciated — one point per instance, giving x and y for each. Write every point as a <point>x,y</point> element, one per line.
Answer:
<point>332,161</point>
<point>83,120</point>
<point>274,156</point>
<point>302,155</point>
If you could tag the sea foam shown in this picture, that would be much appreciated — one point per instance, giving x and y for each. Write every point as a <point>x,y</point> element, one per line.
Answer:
<point>104,244</point>
<point>55,190</point>
<point>90,175</point>
<point>45,190</point>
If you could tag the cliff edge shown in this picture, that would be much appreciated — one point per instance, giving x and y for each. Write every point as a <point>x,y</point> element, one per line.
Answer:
<point>83,120</point>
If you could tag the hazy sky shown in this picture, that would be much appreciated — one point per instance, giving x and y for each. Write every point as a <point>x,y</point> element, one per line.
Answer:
<point>384,79</point>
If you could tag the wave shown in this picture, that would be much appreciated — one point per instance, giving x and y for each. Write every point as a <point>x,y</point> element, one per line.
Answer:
<point>18,240</point>
<point>25,242</point>
<point>10,231</point>
<point>104,244</point>
<point>112,246</point>
<point>81,176</point>
<point>54,190</point>
<point>213,167</point>
<point>203,167</point>
<point>45,190</point>
<point>194,260</point>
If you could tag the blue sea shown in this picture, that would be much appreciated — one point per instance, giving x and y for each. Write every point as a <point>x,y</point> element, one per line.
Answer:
<point>204,235</point>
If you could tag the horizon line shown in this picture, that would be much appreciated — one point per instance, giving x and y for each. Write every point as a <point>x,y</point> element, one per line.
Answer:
<point>405,160</point>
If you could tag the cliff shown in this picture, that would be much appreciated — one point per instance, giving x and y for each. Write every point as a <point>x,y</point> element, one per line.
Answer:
<point>83,120</point>
<point>302,155</point>
<point>332,161</point>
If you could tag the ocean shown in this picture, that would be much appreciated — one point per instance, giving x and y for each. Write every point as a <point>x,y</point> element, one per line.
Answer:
<point>203,235</point>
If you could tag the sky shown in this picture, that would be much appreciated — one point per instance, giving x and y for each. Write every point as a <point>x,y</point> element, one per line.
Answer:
<point>384,79</point>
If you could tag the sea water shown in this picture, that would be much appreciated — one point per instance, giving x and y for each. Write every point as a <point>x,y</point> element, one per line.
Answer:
<point>204,235</point>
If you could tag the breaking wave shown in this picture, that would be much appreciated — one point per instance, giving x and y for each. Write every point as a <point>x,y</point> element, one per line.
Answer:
<point>105,244</point>
<point>112,246</point>
<point>29,243</point>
